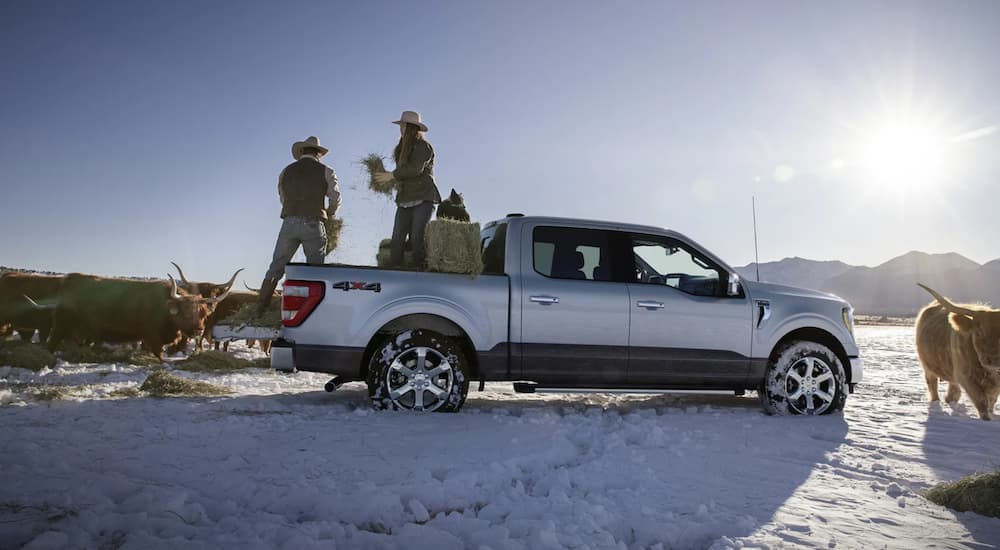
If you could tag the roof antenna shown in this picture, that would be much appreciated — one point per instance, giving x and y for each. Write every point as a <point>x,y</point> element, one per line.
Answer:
<point>756,257</point>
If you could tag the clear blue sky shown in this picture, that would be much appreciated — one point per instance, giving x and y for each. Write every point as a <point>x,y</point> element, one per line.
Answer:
<point>135,133</point>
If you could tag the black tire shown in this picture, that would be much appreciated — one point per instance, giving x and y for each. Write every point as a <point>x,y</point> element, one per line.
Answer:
<point>803,378</point>
<point>399,354</point>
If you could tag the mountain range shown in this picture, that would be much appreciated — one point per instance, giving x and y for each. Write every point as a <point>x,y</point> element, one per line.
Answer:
<point>890,288</point>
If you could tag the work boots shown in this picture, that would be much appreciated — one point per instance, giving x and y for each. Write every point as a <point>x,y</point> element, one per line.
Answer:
<point>264,295</point>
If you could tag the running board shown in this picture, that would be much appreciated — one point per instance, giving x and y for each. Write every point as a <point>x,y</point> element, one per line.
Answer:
<point>531,387</point>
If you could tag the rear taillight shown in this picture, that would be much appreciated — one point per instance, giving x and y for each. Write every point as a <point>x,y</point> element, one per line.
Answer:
<point>298,300</point>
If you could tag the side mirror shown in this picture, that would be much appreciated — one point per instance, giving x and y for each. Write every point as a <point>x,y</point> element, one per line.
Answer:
<point>733,288</point>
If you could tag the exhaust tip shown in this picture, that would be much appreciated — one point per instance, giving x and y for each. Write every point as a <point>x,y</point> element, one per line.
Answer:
<point>333,384</point>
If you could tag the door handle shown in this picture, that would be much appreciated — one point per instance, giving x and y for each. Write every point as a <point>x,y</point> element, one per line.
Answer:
<point>649,304</point>
<point>544,300</point>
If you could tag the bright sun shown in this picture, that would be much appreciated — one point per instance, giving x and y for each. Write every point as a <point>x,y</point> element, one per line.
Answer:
<point>905,156</point>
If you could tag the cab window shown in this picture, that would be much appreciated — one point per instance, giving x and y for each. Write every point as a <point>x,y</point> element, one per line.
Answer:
<point>571,253</point>
<point>666,261</point>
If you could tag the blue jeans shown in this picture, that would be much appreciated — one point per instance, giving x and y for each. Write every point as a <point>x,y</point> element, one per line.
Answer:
<point>410,221</point>
<point>309,232</point>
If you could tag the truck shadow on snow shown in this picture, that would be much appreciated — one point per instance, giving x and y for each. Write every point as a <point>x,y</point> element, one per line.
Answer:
<point>682,471</point>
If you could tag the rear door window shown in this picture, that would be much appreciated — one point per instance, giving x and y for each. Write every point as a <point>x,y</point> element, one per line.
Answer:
<point>572,253</point>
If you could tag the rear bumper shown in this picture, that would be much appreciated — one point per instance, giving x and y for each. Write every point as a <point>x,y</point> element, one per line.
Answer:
<point>290,357</point>
<point>282,356</point>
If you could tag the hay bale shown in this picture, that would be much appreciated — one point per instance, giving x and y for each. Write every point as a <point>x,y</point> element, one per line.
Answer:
<point>220,362</point>
<point>453,247</point>
<point>375,163</point>
<point>161,383</point>
<point>333,228</point>
<point>247,315</point>
<point>979,493</point>
<point>25,355</point>
<point>385,251</point>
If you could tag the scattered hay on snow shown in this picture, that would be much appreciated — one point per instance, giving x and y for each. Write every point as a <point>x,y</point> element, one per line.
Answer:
<point>25,355</point>
<point>80,354</point>
<point>161,383</point>
<point>333,229</point>
<point>221,362</point>
<point>247,315</point>
<point>375,163</point>
<point>125,393</point>
<point>454,247</point>
<point>979,493</point>
<point>52,393</point>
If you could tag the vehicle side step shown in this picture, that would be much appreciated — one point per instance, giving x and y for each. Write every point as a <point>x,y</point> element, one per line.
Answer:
<point>525,387</point>
<point>532,387</point>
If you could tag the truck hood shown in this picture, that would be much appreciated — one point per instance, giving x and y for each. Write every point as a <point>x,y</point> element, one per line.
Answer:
<point>759,290</point>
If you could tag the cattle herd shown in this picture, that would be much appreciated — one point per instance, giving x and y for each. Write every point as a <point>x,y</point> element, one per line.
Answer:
<point>91,310</point>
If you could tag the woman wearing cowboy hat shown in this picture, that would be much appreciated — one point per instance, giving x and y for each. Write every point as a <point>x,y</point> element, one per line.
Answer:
<point>416,193</point>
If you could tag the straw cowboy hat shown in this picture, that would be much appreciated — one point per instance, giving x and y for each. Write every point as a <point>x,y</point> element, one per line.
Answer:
<point>411,117</point>
<point>310,142</point>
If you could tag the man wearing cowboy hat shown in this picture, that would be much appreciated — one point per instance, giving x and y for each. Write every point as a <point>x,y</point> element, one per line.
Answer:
<point>302,187</point>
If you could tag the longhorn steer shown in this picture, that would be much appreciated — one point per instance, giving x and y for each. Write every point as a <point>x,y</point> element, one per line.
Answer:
<point>99,309</point>
<point>18,312</point>
<point>960,344</point>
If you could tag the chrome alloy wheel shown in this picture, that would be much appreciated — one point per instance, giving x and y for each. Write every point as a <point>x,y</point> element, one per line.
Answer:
<point>810,386</point>
<point>420,379</point>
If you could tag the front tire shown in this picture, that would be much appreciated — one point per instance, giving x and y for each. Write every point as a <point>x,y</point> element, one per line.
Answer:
<point>418,370</point>
<point>804,378</point>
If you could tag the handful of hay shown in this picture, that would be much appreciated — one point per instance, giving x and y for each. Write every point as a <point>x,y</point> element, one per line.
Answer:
<point>333,227</point>
<point>375,163</point>
<point>247,315</point>
<point>453,247</point>
<point>25,355</point>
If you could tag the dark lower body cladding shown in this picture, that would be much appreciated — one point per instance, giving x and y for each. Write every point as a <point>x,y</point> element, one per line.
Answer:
<point>344,361</point>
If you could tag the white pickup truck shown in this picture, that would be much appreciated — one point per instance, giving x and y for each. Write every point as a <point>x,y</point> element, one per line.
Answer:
<point>567,304</point>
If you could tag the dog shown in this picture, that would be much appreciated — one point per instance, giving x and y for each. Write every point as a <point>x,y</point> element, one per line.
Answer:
<point>453,208</point>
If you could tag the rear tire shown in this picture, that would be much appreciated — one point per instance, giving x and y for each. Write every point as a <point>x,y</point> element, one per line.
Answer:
<point>804,378</point>
<point>418,370</point>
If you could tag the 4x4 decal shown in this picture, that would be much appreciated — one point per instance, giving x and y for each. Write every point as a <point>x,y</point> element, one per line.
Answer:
<point>358,285</point>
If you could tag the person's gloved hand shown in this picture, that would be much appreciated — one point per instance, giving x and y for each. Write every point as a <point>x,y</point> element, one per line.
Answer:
<point>382,177</point>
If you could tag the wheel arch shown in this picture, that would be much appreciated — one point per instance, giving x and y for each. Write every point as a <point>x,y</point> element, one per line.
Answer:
<point>424,321</point>
<point>819,336</point>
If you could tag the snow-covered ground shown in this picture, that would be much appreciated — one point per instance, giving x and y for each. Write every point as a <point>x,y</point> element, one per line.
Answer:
<point>282,464</point>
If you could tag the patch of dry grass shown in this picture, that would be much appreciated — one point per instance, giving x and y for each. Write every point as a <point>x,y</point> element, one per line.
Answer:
<point>52,393</point>
<point>82,354</point>
<point>161,383</point>
<point>220,362</point>
<point>25,355</point>
<point>125,393</point>
<point>979,493</point>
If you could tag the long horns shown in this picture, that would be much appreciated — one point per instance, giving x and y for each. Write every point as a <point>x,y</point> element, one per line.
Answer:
<point>946,304</point>
<point>229,284</point>
<point>181,273</point>
<point>176,295</point>
<point>37,305</point>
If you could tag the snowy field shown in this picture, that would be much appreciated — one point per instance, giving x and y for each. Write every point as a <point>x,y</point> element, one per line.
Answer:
<point>282,464</point>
